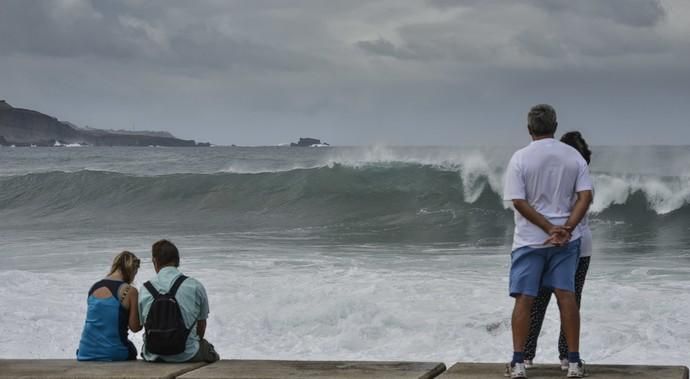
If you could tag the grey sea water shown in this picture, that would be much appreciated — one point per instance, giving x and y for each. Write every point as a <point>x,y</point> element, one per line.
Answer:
<point>339,253</point>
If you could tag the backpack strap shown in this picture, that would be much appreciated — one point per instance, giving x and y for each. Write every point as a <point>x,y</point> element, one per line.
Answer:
<point>176,285</point>
<point>152,290</point>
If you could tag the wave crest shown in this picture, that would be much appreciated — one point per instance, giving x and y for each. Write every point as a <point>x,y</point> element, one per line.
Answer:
<point>381,194</point>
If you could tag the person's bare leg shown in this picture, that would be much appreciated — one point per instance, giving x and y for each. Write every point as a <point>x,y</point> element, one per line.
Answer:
<point>520,321</point>
<point>570,318</point>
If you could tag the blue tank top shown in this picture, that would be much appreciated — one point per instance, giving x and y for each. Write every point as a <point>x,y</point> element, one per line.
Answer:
<point>104,337</point>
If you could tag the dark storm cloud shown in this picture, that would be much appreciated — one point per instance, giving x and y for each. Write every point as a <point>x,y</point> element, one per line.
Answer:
<point>447,4</point>
<point>595,40</point>
<point>137,31</point>
<point>551,29</point>
<point>43,28</point>
<point>386,48</point>
<point>637,13</point>
<point>205,47</point>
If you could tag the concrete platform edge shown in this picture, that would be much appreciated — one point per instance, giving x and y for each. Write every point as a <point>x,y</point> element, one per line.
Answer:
<point>481,370</point>
<point>186,370</point>
<point>438,370</point>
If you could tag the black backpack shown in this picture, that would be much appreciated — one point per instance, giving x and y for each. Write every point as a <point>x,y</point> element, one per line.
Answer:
<point>166,333</point>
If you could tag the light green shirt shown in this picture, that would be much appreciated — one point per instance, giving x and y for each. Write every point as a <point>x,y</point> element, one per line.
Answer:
<point>191,296</point>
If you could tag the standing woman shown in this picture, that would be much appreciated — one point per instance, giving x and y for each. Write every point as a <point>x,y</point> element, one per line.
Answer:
<point>111,309</point>
<point>575,140</point>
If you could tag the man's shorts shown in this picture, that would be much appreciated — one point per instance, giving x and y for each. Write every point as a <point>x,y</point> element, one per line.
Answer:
<point>552,267</point>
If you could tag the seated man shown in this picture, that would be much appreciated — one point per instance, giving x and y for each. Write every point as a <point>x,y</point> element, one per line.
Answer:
<point>173,309</point>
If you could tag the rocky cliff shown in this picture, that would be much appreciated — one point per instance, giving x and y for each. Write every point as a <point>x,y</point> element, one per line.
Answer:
<point>24,127</point>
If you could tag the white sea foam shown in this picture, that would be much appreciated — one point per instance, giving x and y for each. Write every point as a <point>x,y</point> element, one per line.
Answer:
<point>663,195</point>
<point>441,305</point>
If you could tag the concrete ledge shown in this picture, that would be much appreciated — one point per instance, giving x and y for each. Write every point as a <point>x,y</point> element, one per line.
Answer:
<point>263,369</point>
<point>71,369</point>
<point>495,370</point>
<point>269,369</point>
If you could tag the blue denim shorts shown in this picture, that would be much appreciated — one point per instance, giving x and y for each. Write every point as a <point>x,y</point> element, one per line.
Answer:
<point>552,267</point>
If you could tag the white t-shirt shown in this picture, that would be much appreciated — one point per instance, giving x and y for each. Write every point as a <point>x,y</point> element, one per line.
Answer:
<point>548,174</point>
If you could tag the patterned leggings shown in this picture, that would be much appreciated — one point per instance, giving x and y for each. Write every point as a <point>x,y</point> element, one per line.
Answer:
<point>539,310</point>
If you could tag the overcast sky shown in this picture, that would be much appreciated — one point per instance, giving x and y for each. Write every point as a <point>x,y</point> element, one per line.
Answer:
<point>433,72</point>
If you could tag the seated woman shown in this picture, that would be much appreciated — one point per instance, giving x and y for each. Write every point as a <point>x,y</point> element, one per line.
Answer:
<point>111,308</point>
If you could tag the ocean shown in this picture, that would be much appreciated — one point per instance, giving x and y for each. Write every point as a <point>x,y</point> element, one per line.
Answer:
<point>372,253</point>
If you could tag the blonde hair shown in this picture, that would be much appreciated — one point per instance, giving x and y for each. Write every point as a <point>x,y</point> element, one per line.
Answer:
<point>127,263</point>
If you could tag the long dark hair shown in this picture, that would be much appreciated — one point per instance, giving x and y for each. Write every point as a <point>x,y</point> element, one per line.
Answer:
<point>575,140</point>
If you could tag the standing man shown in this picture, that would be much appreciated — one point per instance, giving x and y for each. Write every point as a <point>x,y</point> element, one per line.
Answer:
<point>173,309</point>
<point>549,185</point>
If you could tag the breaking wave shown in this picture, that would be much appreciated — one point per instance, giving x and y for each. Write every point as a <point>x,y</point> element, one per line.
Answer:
<point>380,194</point>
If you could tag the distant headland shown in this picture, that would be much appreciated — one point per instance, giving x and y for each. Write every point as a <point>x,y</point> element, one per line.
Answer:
<point>25,127</point>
